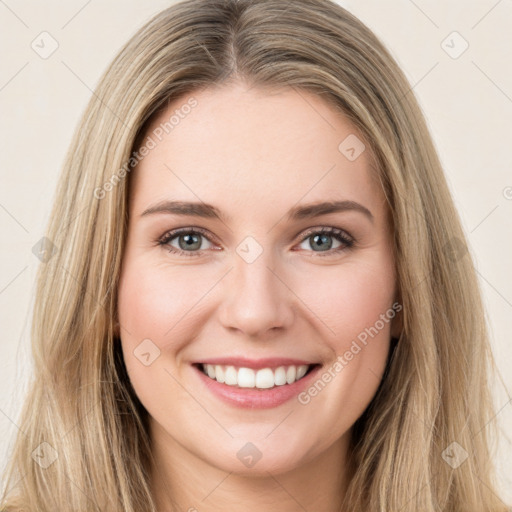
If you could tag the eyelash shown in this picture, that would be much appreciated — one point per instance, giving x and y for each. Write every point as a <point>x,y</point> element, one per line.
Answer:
<point>338,234</point>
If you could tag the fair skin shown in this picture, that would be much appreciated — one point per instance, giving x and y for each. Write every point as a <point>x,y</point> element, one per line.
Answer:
<point>254,154</point>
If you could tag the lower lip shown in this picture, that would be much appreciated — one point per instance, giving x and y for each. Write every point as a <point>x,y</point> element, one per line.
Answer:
<point>253,398</point>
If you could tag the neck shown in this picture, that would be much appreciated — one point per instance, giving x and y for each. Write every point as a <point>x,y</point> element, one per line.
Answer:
<point>184,482</point>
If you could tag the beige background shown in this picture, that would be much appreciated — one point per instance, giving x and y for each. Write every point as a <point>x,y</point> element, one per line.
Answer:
<point>467,100</point>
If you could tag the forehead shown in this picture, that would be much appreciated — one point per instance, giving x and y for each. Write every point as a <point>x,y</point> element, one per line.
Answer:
<point>259,148</point>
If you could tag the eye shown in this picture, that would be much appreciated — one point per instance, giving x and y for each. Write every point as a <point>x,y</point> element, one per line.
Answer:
<point>189,241</point>
<point>322,239</point>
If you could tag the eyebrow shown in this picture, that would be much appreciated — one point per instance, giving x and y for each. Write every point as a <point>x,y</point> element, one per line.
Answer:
<point>200,209</point>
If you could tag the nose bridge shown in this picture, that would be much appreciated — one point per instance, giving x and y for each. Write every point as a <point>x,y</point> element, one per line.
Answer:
<point>256,299</point>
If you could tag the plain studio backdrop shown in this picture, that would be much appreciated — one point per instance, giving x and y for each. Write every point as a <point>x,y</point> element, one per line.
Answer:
<point>456,55</point>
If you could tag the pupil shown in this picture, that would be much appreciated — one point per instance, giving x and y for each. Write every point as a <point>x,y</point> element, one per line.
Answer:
<point>191,239</point>
<point>326,245</point>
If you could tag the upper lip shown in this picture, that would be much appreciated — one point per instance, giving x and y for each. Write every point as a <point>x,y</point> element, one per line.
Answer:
<point>256,364</point>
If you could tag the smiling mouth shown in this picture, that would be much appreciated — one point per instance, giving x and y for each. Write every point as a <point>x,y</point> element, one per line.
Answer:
<point>263,378</point>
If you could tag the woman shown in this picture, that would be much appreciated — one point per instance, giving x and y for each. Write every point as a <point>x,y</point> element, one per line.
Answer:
<point>193,350</point>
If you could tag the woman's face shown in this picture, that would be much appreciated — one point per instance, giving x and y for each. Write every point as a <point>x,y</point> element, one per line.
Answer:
<point>244,168</point>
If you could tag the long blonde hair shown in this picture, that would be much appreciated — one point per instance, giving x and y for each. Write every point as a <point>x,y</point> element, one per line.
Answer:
<point>82,416</point>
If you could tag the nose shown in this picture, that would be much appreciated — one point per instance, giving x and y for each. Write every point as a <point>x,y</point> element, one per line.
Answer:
<point>256,298</point>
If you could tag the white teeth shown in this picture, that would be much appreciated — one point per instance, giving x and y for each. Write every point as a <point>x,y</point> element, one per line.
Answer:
<point>264,378</point>
<point>219,373</point>
<point>291,373</point>
<point>211,371</point>
<point>246,378</point>
<point>280,376</point>
<point>301,371</point>
<point>230,376</point>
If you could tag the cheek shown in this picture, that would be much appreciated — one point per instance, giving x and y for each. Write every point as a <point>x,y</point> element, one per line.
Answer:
<point>154,314</point>
<point>354,311</point>
<point>166,307</point>
<point>350,299</point>
<point>152,301</point>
